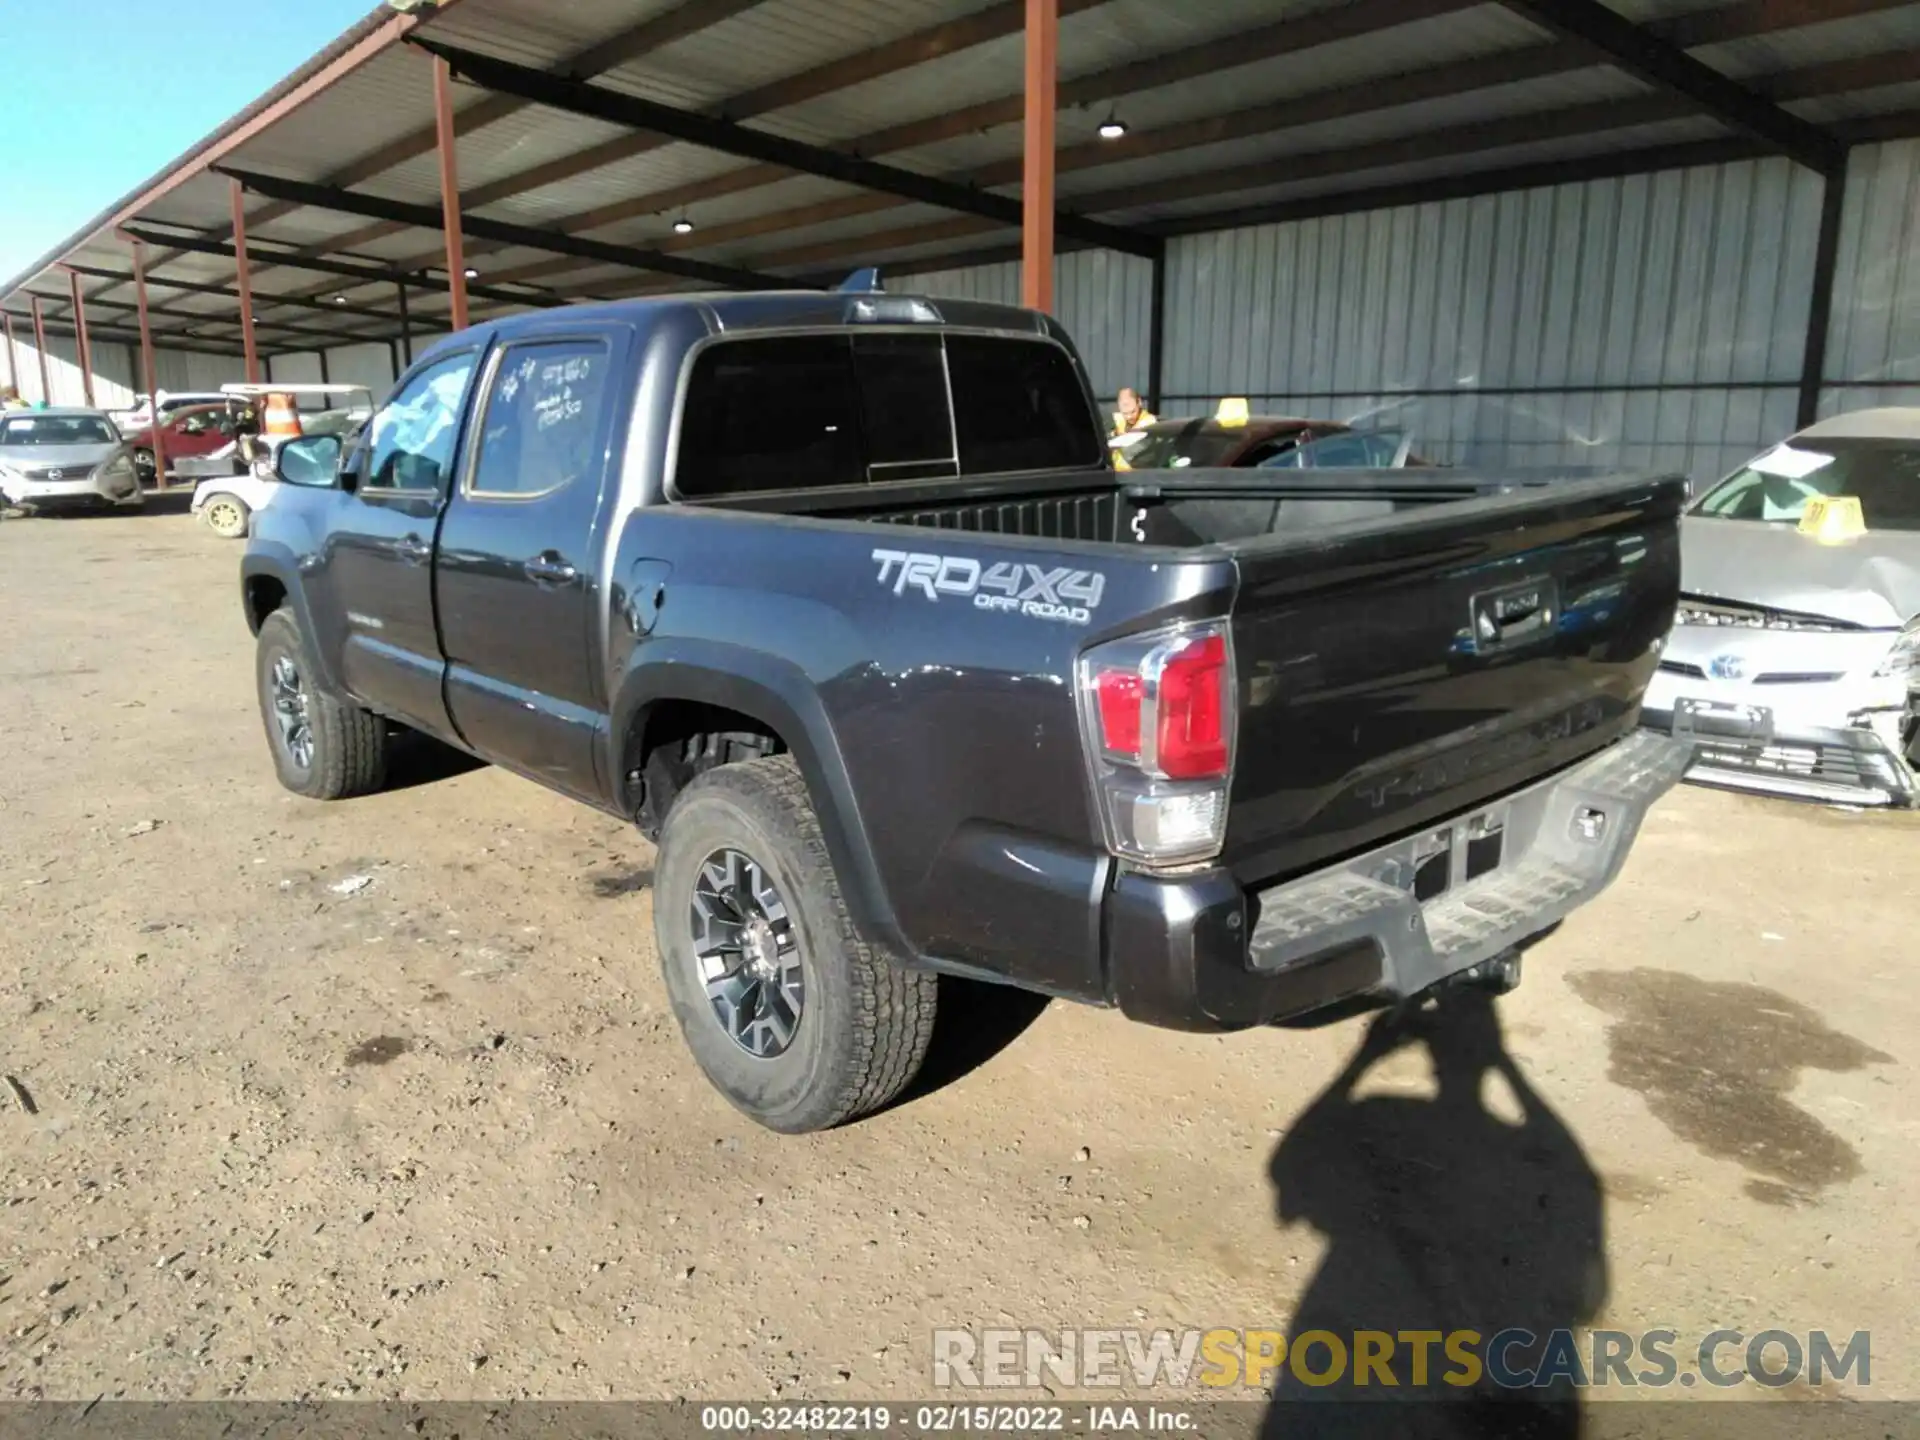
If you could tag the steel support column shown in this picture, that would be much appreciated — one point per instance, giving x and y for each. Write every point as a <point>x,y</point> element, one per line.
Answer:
<point>13,361</point>
<point>450,190</point>
<point>147,368</point>
<point>245,274</point>
<point>83,345</point>
<point>1036,184</point>
<point>40,344</point>
<point>1156,331</point>
<point>406,325</point>
<point>1826,260</point>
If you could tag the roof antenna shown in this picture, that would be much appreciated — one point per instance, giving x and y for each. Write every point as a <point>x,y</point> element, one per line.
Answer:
<point>864,281</point>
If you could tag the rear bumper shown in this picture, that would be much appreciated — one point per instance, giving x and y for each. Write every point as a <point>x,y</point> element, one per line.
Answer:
<point>1196,952</point>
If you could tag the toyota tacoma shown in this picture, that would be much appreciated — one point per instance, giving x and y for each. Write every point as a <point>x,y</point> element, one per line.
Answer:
<point>838,598</point>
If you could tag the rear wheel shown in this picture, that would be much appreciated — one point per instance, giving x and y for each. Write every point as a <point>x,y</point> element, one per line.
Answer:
<point>793,1017</point>
<point>143,465</point>
<point>323,748</point>
<point>226,516</point>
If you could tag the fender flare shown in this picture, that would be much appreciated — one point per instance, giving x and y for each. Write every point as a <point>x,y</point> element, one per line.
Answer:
<point>276,562</point>
<point>781,696</point>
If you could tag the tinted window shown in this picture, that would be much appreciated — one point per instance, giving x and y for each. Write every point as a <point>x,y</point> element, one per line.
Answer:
<point>770,415</point>
<point>414,434</point>
<point>1177,447</point>
<point>541,426</point>
<point>1019,405</point>
<point>57,430</point>
<point>904,413</point>
<point>1884,475</point>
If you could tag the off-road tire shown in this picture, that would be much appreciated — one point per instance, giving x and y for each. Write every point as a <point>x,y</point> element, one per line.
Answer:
<point>349,744</point>
<point>866,1020</point>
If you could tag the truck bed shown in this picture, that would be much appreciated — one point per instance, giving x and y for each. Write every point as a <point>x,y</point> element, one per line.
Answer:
<point>1369,705</point>
<point>1177,508</point>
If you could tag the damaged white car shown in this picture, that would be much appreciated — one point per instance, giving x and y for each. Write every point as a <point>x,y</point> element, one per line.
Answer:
<point>1794,662</point>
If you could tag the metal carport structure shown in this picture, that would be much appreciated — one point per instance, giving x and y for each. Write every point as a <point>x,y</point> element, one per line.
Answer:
<point>605,148</point>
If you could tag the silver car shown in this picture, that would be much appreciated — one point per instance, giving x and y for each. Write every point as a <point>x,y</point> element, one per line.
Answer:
<point>1794,662</point>
<point>72,458</point>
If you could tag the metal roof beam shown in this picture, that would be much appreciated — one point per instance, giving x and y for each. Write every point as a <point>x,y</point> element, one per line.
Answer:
<point>428,217</point>
<point>1671,70</point>
<point>199,318</point>
<point>1745,18</point>
<point>1742,18</point>
<point>366,274</point>
<point>596,102</point>
<point>228,292</point>
<point>628,44</point>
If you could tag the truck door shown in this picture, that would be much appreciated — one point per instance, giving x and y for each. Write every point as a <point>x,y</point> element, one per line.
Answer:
<point>379,562</point>
<point>517,578</point>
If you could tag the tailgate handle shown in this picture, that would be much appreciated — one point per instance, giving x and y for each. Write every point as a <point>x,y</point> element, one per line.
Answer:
<point>1514,613</point>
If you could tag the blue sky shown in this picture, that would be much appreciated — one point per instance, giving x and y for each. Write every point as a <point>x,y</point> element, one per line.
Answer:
<point>99,94</point>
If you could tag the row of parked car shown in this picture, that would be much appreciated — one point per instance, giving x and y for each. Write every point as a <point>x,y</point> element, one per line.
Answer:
<point>71,457</point>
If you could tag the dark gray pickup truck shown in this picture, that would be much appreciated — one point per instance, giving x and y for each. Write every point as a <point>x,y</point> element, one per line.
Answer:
<point>836,596</point>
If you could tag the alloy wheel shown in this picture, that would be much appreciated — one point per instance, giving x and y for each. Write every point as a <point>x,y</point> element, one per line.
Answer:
<point>746,953</point>
<point>289,698</point>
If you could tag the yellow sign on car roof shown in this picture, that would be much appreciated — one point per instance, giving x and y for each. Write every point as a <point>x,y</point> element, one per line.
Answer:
<point>1232,411</point>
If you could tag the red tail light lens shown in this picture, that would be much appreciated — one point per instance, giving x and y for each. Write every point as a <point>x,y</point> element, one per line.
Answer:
<point>1191,736</point>
<point>1118,694</point>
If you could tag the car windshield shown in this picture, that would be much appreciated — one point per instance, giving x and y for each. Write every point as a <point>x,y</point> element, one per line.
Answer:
<point>1883,475</point>
<point>56,430</point>
<point>1196,443</point>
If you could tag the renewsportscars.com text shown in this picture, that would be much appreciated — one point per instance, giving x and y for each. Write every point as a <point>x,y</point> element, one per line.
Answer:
<point>1512,1358</point>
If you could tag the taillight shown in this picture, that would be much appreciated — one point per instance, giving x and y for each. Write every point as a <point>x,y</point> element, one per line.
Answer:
<point>1158,713</point>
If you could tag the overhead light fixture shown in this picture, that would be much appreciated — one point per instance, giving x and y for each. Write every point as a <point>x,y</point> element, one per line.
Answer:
<point>1113,127</point>
<point>683,226</point>
<point>339,299</point>
<point>472,274</point>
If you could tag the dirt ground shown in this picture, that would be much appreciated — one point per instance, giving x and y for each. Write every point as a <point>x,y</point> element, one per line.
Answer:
<point>384,1099</point>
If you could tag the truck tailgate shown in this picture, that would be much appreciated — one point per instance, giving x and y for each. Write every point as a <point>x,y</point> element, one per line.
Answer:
<point>1397,672</point>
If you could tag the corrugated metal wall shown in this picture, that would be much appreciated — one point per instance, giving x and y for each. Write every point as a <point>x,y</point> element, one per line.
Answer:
<point>1651,321</point>
<point>1102,297</point>
<point>369,365</point>
<point>1654,321</point>
<point>115,368</point>
<point>1873,348</point>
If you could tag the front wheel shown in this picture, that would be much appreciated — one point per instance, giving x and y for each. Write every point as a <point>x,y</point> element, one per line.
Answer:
<point>323,748</point>
<point>143,466</point>
<point>226,516</point>
<point>793,1017</point>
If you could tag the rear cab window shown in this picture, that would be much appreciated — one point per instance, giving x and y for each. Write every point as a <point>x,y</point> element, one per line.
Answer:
<point>857,407</point>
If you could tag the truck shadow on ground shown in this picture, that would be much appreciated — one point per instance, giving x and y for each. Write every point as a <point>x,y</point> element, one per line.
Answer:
<point>418,759</point>
<point>974,1023</point>
<point>1440,1215</point>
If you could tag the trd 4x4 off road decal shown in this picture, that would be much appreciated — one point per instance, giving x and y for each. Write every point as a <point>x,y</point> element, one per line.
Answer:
<point>1041,591</point>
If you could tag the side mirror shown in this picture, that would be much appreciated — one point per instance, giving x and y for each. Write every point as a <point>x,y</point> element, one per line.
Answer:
<point>311,460</point>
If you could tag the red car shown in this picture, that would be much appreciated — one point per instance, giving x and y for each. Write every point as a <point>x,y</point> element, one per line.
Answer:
<point>186,433</point>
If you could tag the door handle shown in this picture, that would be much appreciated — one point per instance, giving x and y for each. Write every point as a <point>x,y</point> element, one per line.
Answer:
<point>414,550</point>
<point>549,569</point>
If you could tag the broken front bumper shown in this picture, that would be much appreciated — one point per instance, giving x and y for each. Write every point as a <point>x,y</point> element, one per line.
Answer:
<point>1196,952</point>
<point>1860,764</point>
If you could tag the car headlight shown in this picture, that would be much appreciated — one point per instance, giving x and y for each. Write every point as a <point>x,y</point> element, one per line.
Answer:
<point>1904,657</point>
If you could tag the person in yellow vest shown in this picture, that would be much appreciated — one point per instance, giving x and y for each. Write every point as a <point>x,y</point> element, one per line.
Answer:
<point>1130,415</point>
